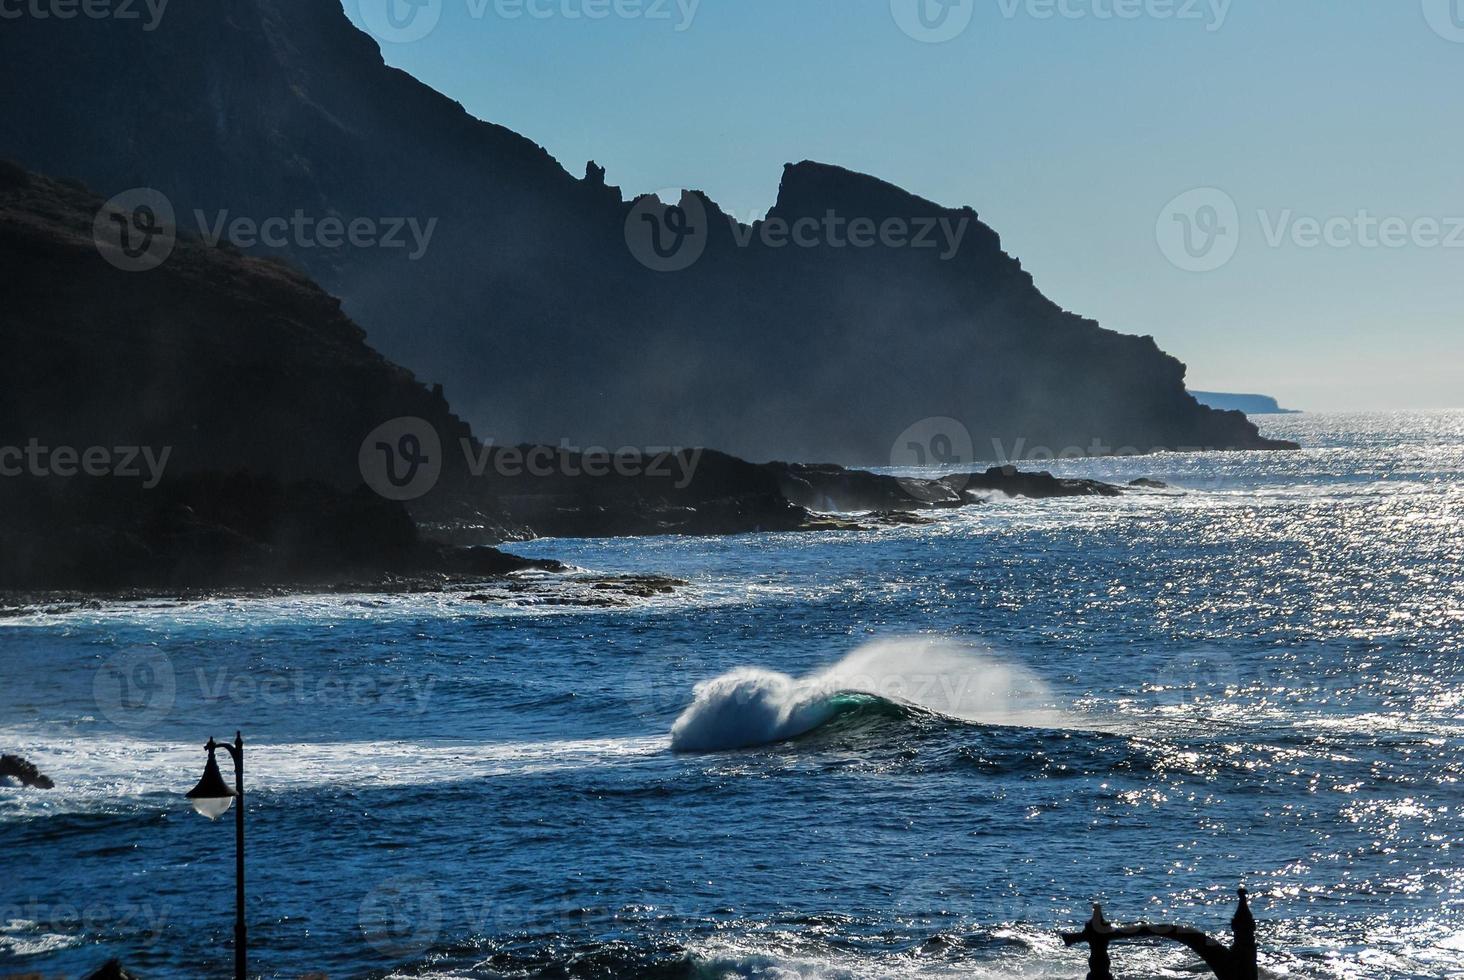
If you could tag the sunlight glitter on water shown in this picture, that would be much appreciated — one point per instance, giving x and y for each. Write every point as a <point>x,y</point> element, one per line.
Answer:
<point>1271,649</point>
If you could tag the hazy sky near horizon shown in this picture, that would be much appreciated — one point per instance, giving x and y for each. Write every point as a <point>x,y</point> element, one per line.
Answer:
<point>1078,129</point>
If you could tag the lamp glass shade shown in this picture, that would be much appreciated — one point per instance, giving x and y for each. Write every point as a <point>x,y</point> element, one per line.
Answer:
<point>212,797</point>
<point>213,807</point>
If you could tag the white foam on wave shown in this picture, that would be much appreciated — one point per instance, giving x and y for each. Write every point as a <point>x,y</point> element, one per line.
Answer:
<point>107,773</point>
<point>503,598</point>
<point>750,706</point>
<point>1029,954</point>
<point>23,937</point>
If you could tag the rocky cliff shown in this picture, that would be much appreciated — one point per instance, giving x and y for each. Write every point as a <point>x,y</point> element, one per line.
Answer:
<point>196,425</point>
<point>217,421</point>
<point>553,309</point>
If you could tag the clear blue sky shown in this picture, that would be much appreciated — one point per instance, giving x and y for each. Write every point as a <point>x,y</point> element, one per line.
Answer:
<point>1069,134</point>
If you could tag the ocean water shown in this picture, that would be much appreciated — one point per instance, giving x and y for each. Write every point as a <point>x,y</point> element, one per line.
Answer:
<point>918,751</point>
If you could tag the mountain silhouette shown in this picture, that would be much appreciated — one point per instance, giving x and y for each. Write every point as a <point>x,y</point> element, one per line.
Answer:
<point>555,310</point>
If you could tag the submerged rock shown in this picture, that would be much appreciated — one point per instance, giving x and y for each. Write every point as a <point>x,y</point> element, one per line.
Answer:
<point>897,518</point>
<point>583,591</point>
<point>641,586</point>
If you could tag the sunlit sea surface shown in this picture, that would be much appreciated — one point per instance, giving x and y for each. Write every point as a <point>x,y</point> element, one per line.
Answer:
<point>1252,677</point>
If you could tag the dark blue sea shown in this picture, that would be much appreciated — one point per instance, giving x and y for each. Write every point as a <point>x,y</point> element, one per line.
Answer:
<point>918,751</point>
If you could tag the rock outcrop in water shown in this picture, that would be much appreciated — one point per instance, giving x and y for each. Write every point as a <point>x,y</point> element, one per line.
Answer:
<point>17,771</point>
<point>852,312</point>
<point>835,488</point>
<point>703,492</point>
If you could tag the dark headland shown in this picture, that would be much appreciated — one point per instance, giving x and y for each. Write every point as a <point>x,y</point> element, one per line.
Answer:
<point>529,306</point>
<point>236,383</point>
<point>255,392</point>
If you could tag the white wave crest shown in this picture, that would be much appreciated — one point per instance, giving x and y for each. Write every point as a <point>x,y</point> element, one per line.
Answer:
<point>750,706</point>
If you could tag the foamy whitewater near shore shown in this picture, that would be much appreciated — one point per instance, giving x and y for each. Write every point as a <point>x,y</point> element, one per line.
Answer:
<point>914,751</point>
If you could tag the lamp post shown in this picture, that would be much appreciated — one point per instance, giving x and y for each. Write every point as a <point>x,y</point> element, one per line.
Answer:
<point>212,797</point>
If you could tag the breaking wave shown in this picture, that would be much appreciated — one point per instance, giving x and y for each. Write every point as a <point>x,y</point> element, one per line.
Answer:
<point>750,706</point>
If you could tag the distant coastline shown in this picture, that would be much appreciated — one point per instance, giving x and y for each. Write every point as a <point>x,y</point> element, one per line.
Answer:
<point>1249,404</point>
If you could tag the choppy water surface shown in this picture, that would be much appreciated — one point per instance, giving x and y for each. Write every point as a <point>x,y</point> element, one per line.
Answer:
<point>1141,701</point>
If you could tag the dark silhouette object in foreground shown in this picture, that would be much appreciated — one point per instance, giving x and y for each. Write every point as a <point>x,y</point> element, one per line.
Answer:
<point>212,797</point>
<point>1237,962</point>
<point>111,970</point>
<point>14,769</point>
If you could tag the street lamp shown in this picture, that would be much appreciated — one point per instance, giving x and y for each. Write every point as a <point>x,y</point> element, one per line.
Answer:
<point>212,797</point>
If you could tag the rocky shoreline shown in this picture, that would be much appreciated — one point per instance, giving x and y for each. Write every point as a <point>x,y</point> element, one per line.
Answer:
<point>193,542</point>
<point>242,535</point>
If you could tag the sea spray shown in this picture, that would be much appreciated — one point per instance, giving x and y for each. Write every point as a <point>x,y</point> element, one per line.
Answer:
<point>748,707</point>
